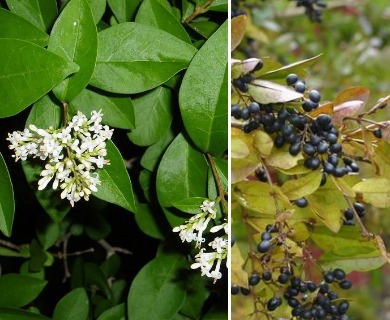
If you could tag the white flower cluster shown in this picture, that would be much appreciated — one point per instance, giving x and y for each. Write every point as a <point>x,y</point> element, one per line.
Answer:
<point>72,154</point>
<point>193,230</point>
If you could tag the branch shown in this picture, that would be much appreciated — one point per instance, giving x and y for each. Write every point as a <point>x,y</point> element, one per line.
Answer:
<point>112,250</point>
<point>221,192</point>
<point>198,11</point>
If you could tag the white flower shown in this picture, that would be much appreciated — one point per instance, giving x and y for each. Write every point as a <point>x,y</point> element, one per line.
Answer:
<point>207,206</point>
<point>72,153</point>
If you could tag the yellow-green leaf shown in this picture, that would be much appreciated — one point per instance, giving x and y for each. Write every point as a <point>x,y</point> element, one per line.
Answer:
<point>302,187</point>
<point>263,143</point>
<point>375,191</point>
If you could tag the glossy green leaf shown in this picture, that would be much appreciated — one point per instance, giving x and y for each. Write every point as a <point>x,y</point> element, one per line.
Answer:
<point>375,191</point>
<point>189,205</point>
<point>23,81</point>
<point>98,8</point>
<point>182,173</point>
<point>19,314</point>
<point>187,8</point>
<point>152,13</point>
<point>19,290</point>
<point>13,26</point>
<point>25,270</point>
<point>118,110</point>
<point>95,276</point>
<point>7,202</point>
<point>219,5</point>
<point>74,37</point>
<point>153,154</point>
<point>204,28</point>
<point>45,113</point>
<point>133,58</point>
<point>196,295</point>
<point>349,250</point>
<point>115,184</point>
<point>183,168</point>
<point>159,281</point>
<point>38,256</point>
<point>149,221</point>
<point>203,95</point>
<point>41,13</point>
<point>124,10</point>
<point>153,116</point>
<point>73,306</point>
<point>147,181</point>
<point>115,313</point>
<point>303,186</point>
<point>223,172</point>
<point>212,191</point>
<point>48,233</point>
<point>111,266</point>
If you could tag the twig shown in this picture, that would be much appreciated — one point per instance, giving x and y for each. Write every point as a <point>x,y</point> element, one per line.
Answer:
<point>112,250</point>
<point>64,255</point>
<point>221,192</point>
<point>10,245</point>
<point>365,233</point>
<point>198,11</point>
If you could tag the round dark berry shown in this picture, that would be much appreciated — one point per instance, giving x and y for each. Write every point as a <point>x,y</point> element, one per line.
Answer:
<point>339,274</point>
<point>268,119</point>
<point>323,120</point>
<point>343,317</point>
<point>335,148</point>
<point>258,66</point>
<point>333,310</point>
<point>349,223</point>
<point>279,141</point>
<point>300,87</point>
<point>235,289</point>
<point>309,149</point>
<point>301,202</point>
<point>292,292</point>
<point>331,137</point>
<point>315,140</point>
<point>293,303</point>
<point>323,179</point>
<point>308,105</point>
<point>267,275</point>
<point>240,84</point>
<point>298,121</point>
<point>266,236</point>
<point>295,282</point>
<point>261,175</point>
<point>283,114</point>
<point>245,114</point>
<point>322,147</point>
<point>254,279</point>
<point>311,286</point>
<point>333,159</point>
<point>254,107</point>
<point>271,228</point>
<point>377,133</point>
<point>235,110</point>
<point>345,284</point>
<point>354,166</point>
<point>283,278</point>
<point>314,96</point>
<point>294,148</point>
<point>306,314</point>
<point>264,246</point>
<point>332,295</point>
<point>328,167</point>
<point>328,277</point>
<point>312,163</point>
<point>343,307</point>
<point>324,288</point>
<point>245,291</point>
<point>359,207</point>
<point>348,214</point>
<point>273,303</point>
<point>303,287</point>
<point>291,79</point>
<point>287,130</point>
<point>247,78</point>
<point>339,172</point>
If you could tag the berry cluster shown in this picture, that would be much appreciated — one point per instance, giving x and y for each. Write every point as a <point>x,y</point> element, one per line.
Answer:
<point>316,138</point>
<point>349,213</point>
<point>307,299</point>
<point>313,9</point>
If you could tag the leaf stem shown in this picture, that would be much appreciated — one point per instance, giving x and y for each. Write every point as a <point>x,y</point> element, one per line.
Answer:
<point>221,192</point>
<point>198,11</point>
<point>65,114</point>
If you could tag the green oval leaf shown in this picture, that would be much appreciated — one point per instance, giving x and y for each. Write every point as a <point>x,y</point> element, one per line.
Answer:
<point>118,110</point>
<point>18,314</point>
<point>148,221</point>
<point>74,37</point>
<point>18,290</point>
<point>152,13</point>
<point>153,116</point>
<point>13,26</point>
<point>124,10</point>
<point>115,313</point>
<point>23,81</point>
<point>203,95</point>
<point>159,281</point>
<point>115,184</point>
<point>189,205</point>
<point>73,306</point>
<point>41,13</point>
<point>266,92</point>
<point>303,186</point>
<point>7,202</point>
<point>182,173</point>
<point>45,113</point>
<point>98,7</point>
<point>375,191</point>
<point>133,58</point>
